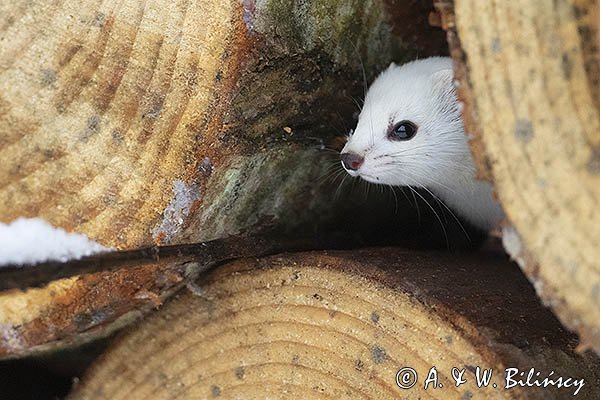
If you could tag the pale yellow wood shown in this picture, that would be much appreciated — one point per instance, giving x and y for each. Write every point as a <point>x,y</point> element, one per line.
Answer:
<point>97,105</point>
<point>100,103</point>
<point>532,98</point>
<point>144,121</point>
<point>340,325</point>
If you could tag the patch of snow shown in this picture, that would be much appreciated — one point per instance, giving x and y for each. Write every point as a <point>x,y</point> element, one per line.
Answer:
<point>11,337</point>
<point>511,240</point>
<point>176,213</point>
<point>33,240</point>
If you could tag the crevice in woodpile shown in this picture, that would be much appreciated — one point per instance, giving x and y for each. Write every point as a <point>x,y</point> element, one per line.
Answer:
<point>167,124</point>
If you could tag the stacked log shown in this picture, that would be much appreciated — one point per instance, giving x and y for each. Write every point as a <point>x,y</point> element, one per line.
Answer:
<point>342,325</point>
<point>529,81</point>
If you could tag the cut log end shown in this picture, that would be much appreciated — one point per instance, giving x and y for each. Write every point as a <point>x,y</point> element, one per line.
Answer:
<point>341,325</point>
<point>529,83</point>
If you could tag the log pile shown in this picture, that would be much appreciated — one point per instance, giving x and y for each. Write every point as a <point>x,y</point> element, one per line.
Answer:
<point>144,123</point>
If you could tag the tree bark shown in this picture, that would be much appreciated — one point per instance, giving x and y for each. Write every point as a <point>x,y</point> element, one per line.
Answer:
<point>530,84</point>
<point>340,325</point>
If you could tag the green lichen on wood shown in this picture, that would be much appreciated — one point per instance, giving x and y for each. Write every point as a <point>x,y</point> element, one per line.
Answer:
<point>305,92</point>
<point>304,75</point>
<point>287,189</point>
<point>277,185</point>
<point>308,72</point>
<point>348,31</point>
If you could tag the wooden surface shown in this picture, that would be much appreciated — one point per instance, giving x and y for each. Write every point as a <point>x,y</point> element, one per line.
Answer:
<point>101,105</point>
<point>530,85</point>
<point>141,122</point>
<point>340,325</point>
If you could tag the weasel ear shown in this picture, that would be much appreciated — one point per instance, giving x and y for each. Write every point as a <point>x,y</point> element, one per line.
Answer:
<point>392,65</point>
<point>443,76</point>
<point>443,81</point>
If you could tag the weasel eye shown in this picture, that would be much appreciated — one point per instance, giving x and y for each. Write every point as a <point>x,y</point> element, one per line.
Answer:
<point>403,130</point>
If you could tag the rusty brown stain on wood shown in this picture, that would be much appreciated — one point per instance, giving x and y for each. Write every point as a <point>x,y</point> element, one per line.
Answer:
<point>445,8</point>
<point>93,303</point>
<point>112,94</point>
<point>110,65</point>
<point>129,99</point>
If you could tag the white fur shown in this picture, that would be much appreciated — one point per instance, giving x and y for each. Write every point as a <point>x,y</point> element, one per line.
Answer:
<point>438,156</point>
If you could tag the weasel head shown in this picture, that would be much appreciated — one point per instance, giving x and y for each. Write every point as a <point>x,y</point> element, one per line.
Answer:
<point>409,131</point>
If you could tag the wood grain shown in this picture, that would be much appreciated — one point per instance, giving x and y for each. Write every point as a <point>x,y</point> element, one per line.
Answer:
<point>97,105</point>
<point>531,89</point>
<point>144,122</point>
<point>340,325</point>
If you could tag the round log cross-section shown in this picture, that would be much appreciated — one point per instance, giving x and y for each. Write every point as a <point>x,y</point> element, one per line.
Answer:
<point>100,108</point>
<point>531,92</point>
<point>341,325</point>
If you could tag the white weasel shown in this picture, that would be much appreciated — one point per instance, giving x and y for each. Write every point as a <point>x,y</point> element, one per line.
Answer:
<point>410,133</point>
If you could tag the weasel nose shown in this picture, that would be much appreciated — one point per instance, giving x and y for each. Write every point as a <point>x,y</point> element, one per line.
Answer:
<point>351,161</point>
